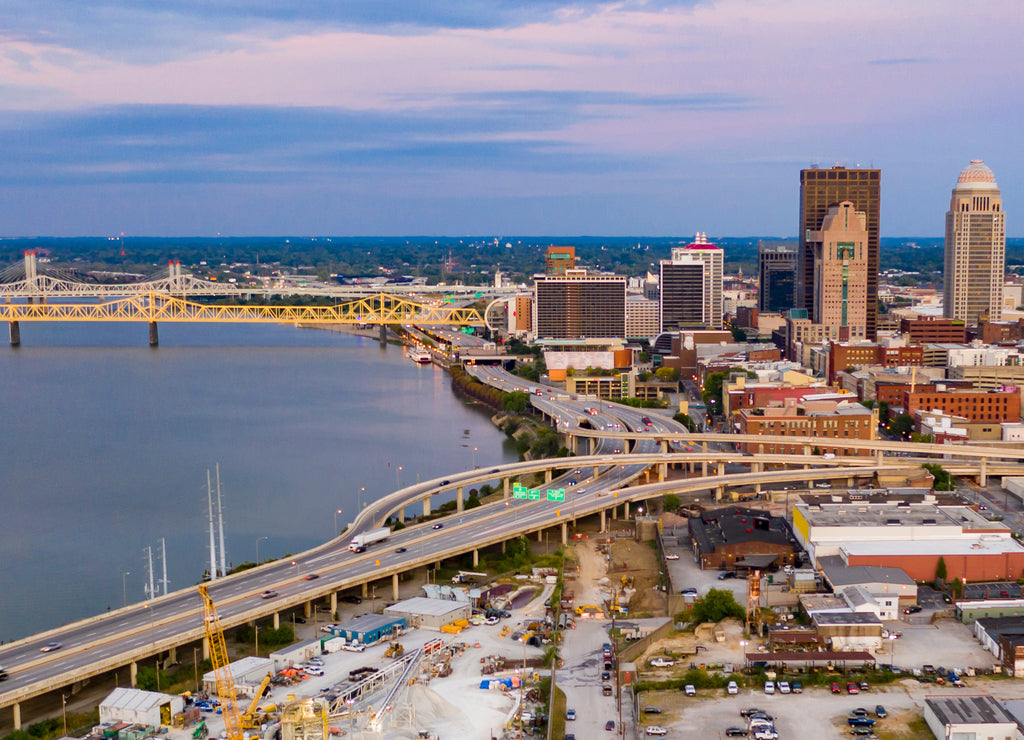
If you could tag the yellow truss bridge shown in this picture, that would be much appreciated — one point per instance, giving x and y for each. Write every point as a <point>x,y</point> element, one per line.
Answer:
<point>153,307</point>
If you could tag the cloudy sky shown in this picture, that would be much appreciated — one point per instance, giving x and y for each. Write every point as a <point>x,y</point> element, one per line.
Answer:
<point>379,117</point>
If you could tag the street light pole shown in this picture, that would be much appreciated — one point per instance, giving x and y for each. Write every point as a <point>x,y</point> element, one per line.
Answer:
<point>336,522</point>
<point>296,564</point>
<point>124,586</point>
<point>64,711</point>
<point>258,541</point>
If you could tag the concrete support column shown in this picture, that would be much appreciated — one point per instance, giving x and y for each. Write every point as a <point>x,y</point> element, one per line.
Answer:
<point>571,443</point>
<point>460,500</point>
<point>426,506</point>
<point>755,467</point>
<point>17,715</point>
<point>476,559</point>
<point>719,493</point>
<point>851,482</point>
<point>172,655</point>
<point>720,467</point>
<point>807,453</point>
<point>394,586</point>
<point>206,648</point>
<point>603,520</point>
<point>565,533</point>
<point>366,589</point>
<point>547,475</point>
<point>596,471</point>
<point>540,535</point>
<point>334,602</point>
<point>663,471</point>
<point>983,472</point>
<point>879,457</point>
<point>704,468</point>
<point>503,547</point>
<point>307,609</point>
<point>507,486</point>
<point>757,488</point>
<point>383,335</point>
<point>133,673</point>
<point>625,510</point>
<point>15,329</point>
<point>154,335</point>
<point>400,515</point>
<point>276,620</point>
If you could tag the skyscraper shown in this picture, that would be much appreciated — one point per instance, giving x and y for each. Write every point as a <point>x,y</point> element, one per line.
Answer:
<point>776,290</point>
<point>840,250</point>
<point>975,264</point>
<point>691,287</point>
<point>820,189</point>
<point>579,306</point>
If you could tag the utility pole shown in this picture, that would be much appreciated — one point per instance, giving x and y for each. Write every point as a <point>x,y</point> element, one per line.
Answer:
<point>151,588</point>
<point>163,561</point>
<point>220,519</point>
<point>213,542</point>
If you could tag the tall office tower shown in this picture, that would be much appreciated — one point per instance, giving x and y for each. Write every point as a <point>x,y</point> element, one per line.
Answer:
<point>820,189</point>
<point>579,306</point>
<point>840,250</point>
<point>691,287</point>
<point>559,260</point>
<point>776,290</point>
<point>975,247</point>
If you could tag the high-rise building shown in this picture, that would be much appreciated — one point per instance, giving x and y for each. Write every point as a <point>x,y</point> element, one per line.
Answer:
<point>840,249</point>
<point>975,262</point>
<point>691,287</point>
<point>777,265</point>
<point>559,260</point>
<point>579,306</point>
<point>820,189</point>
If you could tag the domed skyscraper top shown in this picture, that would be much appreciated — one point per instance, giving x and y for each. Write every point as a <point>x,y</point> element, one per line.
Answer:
<point>976,175</point>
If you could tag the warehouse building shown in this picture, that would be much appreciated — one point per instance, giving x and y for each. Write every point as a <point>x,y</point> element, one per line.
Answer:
<point>850,630</point>
<point>735,537</point>
<point>370,628</point>
<point>429,613</point>
<point>139,707</point>
<point>246,673</point>
<point>969,717</point>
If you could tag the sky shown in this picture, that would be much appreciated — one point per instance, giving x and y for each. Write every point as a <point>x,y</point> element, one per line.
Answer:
<point>499,117</point>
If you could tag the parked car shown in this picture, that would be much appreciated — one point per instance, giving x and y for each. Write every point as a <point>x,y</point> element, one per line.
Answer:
<point>880,712</point>
<point>690,689</point>
<point>609,725</point>
<point>864,686</point>
<point>351,599</point>
<point>652,710</point>
<point>860,721</point>
<point>732,688</point>
<point>784,687</point>
<point>672,556</point>
<point>769,687</point>
<point>860,712</point>
<point>735,732</point>
<point>863,732</point>
<point>912,609</point>
<point>660,662</point>
<point>798,687</point>
<point>852,688</point>
<point>655,730</point>
<point>835,688</point>
<point>751,711</point>
<point>570,714</point>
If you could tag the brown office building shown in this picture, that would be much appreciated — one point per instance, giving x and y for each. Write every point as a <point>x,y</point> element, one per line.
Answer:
<point>819,190</point>
<point>929,329</point>
<point>579,306</point>
<point>559,260</point>
<point>975,406</point>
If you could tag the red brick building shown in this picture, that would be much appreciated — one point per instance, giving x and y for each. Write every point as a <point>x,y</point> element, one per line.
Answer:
<point>926,329</point>
<point>820,419</point>
<point>842,355</point>
<point>987,406</point>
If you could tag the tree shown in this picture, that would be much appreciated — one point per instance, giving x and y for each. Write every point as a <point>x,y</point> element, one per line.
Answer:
<point>716,605</point>
<point>902,425</point>
<point>667,374</point>
<point>943,480</point>
<point>686,421</point>
<point>712,393</point>
<point>671,502</point>
<point>515,402</point>
<point>940,571</point>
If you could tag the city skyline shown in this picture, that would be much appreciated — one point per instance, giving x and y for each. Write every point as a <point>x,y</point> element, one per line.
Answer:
<point>541,118</point>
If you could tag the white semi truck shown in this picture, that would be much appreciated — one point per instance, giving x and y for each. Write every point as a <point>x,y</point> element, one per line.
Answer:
<point>360,542</point>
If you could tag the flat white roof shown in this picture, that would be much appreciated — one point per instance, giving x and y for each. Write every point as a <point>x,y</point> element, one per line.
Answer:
<point>135,700</point>
<point>975,546</point>
<point>242,668</point>
<point>426,607</point>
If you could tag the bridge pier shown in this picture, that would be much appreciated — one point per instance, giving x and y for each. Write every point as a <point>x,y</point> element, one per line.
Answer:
<point>366,590</point>
<point>596,471</point>
<point>276,620</point>
<point>383,335</point>
<point>334,602</point>
<point>394,586</point>
<point>878,457</point>
<point>565,533</point>
<point>15,329</point>
<point>460,501</point>
<point>807,451</point>
<point>719,493</point>
<point>547,475</point>
<point>604,521</point>
<point>426,506</point>
<point>133,673</point>
<point>16,708</point>
<point>476,559</point>
<point>172,655</point>
<point>206,649</point>
<point>307,609</point>
<point>154,335</point>
<point>507,486</point>
<point>625,510</point>
<point>983,472</point>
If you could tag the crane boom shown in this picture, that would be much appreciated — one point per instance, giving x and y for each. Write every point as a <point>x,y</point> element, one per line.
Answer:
<point>221,672</point>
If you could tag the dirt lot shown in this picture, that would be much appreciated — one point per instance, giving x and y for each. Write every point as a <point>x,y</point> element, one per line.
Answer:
<point>639,560</point>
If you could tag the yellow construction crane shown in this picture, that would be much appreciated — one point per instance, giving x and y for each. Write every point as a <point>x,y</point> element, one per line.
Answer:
<point>221,672</point>
<point>253,718</point>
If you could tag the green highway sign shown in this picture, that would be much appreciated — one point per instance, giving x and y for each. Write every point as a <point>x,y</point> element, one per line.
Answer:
<point>535,494</point>
<point>556,494</point>
<point>519,491</point>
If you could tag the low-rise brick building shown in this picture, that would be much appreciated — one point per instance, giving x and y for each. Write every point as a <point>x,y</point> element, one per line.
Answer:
<point>822,419</point>
<point>727,537</point>
<point>975,406</point>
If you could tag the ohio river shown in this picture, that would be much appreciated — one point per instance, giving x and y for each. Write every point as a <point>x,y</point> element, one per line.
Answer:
<point>106,443</point>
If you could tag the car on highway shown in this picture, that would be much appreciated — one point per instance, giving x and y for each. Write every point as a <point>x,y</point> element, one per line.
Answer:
<point>610,725</point>
<point>655,730</point>
<point>268,594</point>
<point>310,576</point>
<point>50,647</point>
<point>437,526</point>
<point>399,549</point>
<point>672,556</point>
<point>3,674</point>
<point>570,714</point>
<point>207,618</point>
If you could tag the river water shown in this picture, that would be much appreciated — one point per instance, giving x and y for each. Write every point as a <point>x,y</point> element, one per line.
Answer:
<point>105,444</point>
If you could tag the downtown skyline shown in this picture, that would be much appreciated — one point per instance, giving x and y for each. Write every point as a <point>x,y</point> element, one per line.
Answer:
<point>647,118</point>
